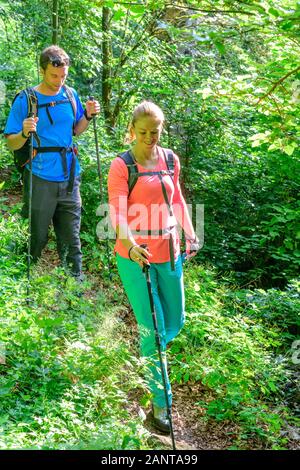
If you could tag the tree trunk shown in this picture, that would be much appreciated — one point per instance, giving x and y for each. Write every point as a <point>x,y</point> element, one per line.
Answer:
<point>55,22</point>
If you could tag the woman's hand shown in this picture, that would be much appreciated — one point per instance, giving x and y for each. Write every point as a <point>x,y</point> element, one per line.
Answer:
<point>139,254</point>
<point>192,247</point>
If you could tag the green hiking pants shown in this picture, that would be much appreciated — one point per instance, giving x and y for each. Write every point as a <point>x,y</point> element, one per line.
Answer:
<point>168,296</point>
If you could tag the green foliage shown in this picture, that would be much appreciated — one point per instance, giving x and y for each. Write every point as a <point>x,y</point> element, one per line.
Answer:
<point>229,88</point>
<point>274,307</point>
<point>227,77</point>
<point>251,209</point>
<point>96,252</point>
<point>66,378</point>
<point>12,244</point>
<point>232,352</point>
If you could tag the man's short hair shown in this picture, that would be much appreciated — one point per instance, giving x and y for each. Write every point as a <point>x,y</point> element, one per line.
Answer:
<point>55,56</point>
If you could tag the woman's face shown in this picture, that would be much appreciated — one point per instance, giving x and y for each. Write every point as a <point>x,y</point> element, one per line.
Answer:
<point>147,132</point>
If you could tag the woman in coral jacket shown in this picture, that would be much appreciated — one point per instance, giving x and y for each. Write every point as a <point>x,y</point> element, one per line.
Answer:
<point>146,204</point>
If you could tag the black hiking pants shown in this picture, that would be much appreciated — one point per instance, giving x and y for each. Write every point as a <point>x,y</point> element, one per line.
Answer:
<point>51,202</point>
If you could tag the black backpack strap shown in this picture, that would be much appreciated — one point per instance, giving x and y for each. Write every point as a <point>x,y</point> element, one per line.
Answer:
<point>32,101</point>
<point>31,98</point>
<point>72,100</point>
<point>51,105</point>
<point>170,164</point>
<point>133,175</point>
<point>169,159</point>
<point>32,108</point>
<point>128,159</point>
<point>21,156</point>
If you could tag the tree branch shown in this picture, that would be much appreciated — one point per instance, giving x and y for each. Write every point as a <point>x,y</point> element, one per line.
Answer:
<point>276,84</point>
<point>138,43</point>
<point>187,7</point>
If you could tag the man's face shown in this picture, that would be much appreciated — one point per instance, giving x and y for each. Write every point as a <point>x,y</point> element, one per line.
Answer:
<point>55,77</point>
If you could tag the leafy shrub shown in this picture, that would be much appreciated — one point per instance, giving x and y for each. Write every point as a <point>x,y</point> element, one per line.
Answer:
<point>233,355</point>
<point>67,373</point>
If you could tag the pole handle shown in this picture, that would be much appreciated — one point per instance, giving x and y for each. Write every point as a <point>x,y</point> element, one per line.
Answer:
<point>92,98</point>
<point>31,115</point>
<point>145,266</point>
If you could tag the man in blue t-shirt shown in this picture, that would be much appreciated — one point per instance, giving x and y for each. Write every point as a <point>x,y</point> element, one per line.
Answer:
<point>55,168</point>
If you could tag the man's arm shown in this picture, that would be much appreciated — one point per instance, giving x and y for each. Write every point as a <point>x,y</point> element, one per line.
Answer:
<point>16,141</point>
<point>81,125</point>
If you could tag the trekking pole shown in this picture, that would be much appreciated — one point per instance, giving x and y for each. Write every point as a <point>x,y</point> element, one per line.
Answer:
<point>146,270</point>
<point>100,180</point>
<point>29,210</point>
<point>97,151</point>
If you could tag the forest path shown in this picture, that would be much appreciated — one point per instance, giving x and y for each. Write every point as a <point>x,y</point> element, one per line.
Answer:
<point>192,431</point>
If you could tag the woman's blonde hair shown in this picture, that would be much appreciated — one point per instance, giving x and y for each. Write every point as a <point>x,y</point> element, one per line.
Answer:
<point>144,109</point>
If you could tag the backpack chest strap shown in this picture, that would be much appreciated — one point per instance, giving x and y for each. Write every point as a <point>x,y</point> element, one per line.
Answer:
<point>51,105</point>
<point>158,173</point>
<point>155,232</point>
<point>134,174</point>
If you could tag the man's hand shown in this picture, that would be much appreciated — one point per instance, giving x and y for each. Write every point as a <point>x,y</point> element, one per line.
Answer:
<point>29,125</point>
<point>92,108</point>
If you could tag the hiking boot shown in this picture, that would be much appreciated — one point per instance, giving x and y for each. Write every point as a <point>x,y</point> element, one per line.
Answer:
<point>79,279</point>
<point>160,419</point>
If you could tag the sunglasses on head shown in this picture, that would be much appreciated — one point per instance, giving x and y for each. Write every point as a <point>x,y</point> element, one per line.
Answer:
<point>57,62</point>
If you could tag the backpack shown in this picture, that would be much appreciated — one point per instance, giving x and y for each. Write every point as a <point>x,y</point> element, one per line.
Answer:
<point>21,156</point>
<point>133,173</point>
<point>133,176</point>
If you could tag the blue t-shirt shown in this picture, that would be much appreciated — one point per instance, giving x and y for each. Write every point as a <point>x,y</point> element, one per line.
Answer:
<point>48,166</point>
